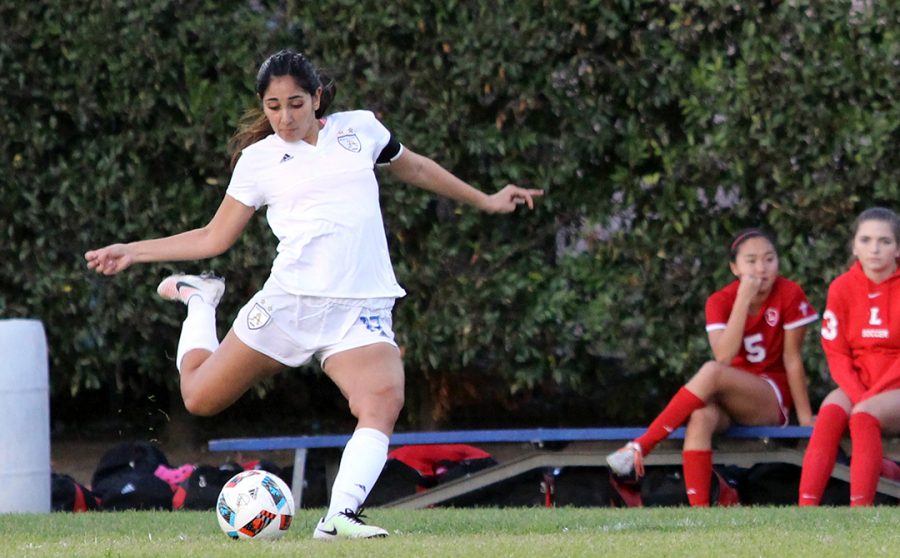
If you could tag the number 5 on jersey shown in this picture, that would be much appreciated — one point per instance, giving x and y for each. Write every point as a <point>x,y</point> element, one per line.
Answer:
<point>753,345</point>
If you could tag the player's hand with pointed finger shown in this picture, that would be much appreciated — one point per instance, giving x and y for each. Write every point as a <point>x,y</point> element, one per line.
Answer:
<point>509,198</point>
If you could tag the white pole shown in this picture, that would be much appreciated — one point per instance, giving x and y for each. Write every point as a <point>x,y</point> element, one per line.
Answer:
<point>24,418</point>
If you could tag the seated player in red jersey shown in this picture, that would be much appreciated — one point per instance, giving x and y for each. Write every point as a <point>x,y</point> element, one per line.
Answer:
<point>863,352</point>
<point>756,328</point>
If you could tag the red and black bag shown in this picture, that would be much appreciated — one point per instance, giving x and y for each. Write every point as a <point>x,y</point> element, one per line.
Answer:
<point>67,495</point>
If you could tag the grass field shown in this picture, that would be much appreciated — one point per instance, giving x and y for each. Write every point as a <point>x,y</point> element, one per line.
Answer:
<point>489,533</point>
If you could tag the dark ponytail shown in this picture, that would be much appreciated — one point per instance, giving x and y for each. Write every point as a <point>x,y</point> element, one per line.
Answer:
<point>254,125</point>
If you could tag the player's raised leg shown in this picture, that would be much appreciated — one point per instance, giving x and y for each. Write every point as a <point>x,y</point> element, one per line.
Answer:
<point>213,375</point>
<point>748,398</point>
<point>629,459</point>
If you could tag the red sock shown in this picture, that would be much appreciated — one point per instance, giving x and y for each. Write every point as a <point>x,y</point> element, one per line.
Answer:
<point>821,453</point>
<point>697,476</point>
<point>676,412</point>
<point>865,463</point>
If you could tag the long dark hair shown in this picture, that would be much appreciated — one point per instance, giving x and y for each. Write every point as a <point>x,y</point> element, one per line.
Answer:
<point>254,125</point>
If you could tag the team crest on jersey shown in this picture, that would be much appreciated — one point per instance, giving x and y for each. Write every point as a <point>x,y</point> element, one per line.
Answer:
<point>350,142</point>
<point>258,317</point>
<point>772,316</point>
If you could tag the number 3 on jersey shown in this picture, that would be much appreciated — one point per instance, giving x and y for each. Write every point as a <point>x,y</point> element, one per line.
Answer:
<point>829,325</point>
<point>755,351</point>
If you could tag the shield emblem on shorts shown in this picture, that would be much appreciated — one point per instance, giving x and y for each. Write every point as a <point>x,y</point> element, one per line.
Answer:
<point>350,142</point>
<point>258,317</point>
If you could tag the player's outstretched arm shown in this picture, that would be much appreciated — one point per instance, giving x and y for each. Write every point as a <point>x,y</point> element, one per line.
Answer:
<point>213,239</point>
<point>423,172</point>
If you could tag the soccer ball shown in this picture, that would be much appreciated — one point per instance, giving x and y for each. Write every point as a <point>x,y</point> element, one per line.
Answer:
<point>255,505</point>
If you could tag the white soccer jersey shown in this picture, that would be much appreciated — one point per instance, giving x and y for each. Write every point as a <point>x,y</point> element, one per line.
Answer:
<point>323,206</point>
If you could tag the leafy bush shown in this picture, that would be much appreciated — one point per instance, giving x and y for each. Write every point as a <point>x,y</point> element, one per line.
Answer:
<point>656,129</point>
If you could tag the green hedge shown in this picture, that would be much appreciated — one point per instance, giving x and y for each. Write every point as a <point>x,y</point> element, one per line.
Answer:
<point>657,130</point>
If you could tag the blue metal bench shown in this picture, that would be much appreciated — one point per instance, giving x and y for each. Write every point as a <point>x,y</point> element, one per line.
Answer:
<point>533,435</point>
<point>767,449</point>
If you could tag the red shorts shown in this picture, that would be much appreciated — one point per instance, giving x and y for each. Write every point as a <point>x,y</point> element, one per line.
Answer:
<point>782,391</point>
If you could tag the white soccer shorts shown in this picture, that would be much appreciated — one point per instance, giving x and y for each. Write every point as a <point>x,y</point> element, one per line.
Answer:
<point>292,328</point>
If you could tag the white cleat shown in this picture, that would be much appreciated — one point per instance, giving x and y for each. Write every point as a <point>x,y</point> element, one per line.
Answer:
<point>627,461</point>
<point>347,525</point>
<point>207,286</point>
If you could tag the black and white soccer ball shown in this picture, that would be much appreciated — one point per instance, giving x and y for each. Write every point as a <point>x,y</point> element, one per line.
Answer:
<point>255,505</point>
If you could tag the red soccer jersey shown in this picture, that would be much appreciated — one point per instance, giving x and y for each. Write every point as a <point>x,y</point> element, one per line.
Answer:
<point>785,308</point>
<point>860,341</point>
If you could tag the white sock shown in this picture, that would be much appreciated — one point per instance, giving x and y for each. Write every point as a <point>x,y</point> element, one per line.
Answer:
<point>361,464</point>
<point>198,330</point>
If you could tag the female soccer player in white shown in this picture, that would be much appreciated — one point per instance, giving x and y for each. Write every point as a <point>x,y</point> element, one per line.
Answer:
<point>331,287</point>
<point>863,352</point>
<point>755,326</point>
